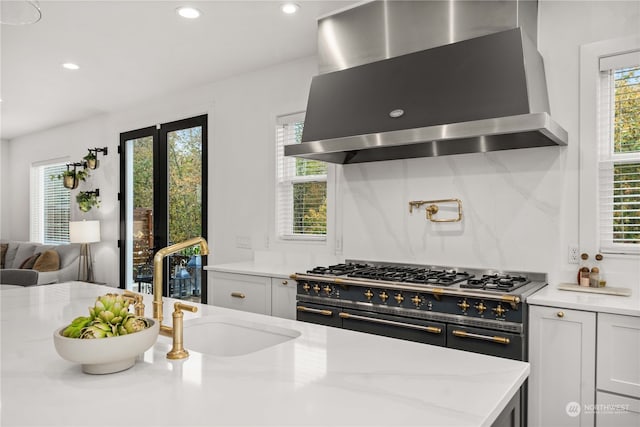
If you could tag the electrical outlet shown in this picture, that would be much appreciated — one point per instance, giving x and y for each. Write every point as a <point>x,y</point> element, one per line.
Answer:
<point>243,242</point>
<point>573,255</point>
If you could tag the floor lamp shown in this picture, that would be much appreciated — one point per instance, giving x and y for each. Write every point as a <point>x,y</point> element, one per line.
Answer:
<point>84,232</point>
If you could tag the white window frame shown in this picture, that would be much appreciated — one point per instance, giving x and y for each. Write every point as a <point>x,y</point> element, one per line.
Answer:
<point>36,202</point>
<point>285,180</point>
<point>594,159</point>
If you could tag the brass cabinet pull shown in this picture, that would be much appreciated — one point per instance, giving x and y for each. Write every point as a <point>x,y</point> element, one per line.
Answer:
<point>430,329</point>
<point>560,314</point>
<point>464,334</point>
<point>314,310</point>
<point>238,295</point>
<point>285,282</point>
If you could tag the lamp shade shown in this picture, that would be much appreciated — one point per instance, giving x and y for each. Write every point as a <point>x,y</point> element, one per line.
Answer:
<point>84,231</point>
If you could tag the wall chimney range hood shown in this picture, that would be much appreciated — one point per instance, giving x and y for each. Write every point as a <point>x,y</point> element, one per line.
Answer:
<point>475,95</point>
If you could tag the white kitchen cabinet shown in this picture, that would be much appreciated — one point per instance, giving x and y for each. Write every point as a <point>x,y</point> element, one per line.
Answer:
<point>240,291</point>
<point>283,298</point>
<point>619,354</point>
<point>562,354</point>
<point>617,411</point>
<point>257,294</point>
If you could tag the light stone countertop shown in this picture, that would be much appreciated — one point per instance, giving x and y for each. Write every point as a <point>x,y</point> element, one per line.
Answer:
<point>325,376</point>
<point>281,271</point>
<point>551,296</point>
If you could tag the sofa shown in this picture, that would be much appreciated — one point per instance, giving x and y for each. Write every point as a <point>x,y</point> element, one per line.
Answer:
<point>29,264</point>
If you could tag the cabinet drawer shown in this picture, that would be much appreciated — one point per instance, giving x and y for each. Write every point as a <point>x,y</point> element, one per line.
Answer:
<point>619,354</point>
<point>616,411</point>
<point>240,292</point>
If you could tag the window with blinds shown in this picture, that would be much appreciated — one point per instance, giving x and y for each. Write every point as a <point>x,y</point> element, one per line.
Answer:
<point>301,194</point>
<point>619,156</point>
<point>50,205</point>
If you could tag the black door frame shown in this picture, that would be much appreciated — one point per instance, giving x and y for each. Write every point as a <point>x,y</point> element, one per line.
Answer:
<point>161,188</point>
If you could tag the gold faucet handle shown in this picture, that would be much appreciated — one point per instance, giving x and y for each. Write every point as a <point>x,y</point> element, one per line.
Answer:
<point>178,351</point>
<point>138,305</point>
<point>184,307</point>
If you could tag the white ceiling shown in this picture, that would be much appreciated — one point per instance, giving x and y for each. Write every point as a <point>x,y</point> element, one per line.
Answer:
<point>130,51</point>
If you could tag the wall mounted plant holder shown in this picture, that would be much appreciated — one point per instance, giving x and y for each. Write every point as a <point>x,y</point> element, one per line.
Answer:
<point>88,199</point>
<point>433,209</point>
<point>72,176</point>
<point>91,159</point>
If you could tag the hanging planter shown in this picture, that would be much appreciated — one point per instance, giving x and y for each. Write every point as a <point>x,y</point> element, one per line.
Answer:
<point>88,199</point>
<point>91,161</point>
<point>71,177</point>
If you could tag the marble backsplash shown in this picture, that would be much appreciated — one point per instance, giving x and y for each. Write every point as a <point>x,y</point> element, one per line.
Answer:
<point>512,207</point>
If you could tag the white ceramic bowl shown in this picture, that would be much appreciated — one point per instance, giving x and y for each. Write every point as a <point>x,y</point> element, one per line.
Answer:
<point>106,355</point>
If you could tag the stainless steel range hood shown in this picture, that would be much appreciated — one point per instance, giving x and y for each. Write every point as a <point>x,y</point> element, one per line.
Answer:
<point>481,94</point>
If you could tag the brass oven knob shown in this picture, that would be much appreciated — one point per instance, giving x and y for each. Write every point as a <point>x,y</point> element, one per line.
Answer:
<point>480,307</point>
<point>416,300</point>
<point>399,298</point>
<point>384,296</point>
<point>368,294</point>
<point>499,311</point>
<point>464,305</point>
<point>327,289</point>
<point>306,287</point>
<point>316,288</point>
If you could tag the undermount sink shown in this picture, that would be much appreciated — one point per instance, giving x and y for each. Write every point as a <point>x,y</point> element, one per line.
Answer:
<point>226,336</point>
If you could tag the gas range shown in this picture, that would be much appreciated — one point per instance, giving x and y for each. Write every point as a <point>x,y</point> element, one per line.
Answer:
<point>487,280</point>
<point>391,299</point>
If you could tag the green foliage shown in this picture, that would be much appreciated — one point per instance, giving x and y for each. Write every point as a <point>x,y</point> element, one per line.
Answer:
<point>87,200</point>
<point>626,193</point>
<point>185,181</point>
<point>310,208</point>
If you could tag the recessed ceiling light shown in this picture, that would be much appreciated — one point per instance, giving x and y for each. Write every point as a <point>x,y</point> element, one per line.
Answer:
<point>290,8</point>
<point>188,12</point>
<point>70,66</point>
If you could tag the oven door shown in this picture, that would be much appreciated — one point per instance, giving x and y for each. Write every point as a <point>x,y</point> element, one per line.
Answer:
<point>486,341</point>
<point>318,314</point>
<point>418,330</point>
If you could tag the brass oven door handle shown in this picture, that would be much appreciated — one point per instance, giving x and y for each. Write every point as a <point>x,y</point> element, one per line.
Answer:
<point>314,311</point>
<point>238,295</point>
<point>491,338</point>
<point>430,329</point>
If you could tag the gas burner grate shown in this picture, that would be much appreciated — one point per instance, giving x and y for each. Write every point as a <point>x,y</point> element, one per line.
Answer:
<point>415,275</point>
<point>337,269</point>
<point>496,282</point>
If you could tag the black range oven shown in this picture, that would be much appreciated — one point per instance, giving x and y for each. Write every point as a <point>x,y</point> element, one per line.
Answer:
<point>481,311</point>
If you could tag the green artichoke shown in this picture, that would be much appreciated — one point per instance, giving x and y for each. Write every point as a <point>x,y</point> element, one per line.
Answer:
<point>109,317</point>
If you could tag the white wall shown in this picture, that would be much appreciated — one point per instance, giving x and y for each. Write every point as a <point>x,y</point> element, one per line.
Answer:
<point>520,207</point>
<point>241,113</point>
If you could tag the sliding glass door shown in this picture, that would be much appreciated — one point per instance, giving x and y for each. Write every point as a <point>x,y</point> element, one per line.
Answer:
<point>163,201</point>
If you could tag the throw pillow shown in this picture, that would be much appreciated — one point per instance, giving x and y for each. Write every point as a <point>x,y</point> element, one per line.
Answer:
<point>48,261</point>
<point>28,263</point>
<point>3,253</point>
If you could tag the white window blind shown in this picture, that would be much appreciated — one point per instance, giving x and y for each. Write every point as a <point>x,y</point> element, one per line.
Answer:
<point>619,154</point>
<point>301,194</point>
<point>50,205</point>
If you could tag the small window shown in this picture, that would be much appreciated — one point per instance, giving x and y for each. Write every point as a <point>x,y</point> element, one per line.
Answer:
<point>50,205</point>
<point>619,154</point>
<point>301,195</point>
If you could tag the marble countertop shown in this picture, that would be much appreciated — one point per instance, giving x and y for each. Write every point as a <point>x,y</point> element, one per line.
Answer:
<point>325,376</point>
<point>553,297</point>
<point>281,271</point>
